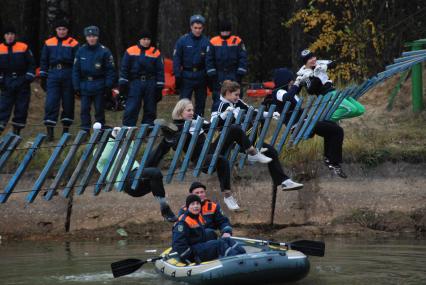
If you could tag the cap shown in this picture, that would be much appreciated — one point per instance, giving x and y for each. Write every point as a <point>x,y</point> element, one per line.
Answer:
<point>225,26</point>
<point>146,34</point>
<point>61,23</point>
<point>91,31</point>
<point>196,185</point>
<point>197,19</point>
<point>305,55</point>
<point>9,29</point>
<point>192,198</point>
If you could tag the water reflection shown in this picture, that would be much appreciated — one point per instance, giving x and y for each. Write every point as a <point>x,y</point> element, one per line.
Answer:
<point>346,262</point>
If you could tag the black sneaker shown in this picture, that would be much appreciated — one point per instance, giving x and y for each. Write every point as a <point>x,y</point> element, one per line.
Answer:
<point>168,129</point>
<point>337,169</point>
<point>168,214</point>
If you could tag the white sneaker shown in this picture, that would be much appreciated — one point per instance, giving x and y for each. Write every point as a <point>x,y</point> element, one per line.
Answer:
<point>263,149</point>
<point>231,203</point>
<point>289,185</point>
<point>259,157</point>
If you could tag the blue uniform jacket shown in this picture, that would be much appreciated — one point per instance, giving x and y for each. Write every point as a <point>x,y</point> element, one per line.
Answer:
<point>213,216</point>
<point>16,60</point>
<point>189,56</point>
<point>57,51</point>
<point>226,58</point>
<point>93,69</point>
<point>187,232</point>
<point>139,61</point>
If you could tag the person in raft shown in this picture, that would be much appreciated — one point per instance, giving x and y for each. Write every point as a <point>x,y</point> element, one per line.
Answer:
<point>313,75</point>
<point>190,240</point>
<point>184,111</point>
<point>212,213</point>
<point>230,102</point>
<point>152,179</point>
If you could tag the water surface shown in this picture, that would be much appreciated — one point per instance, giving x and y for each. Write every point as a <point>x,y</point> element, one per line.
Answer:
<point>347,261</point>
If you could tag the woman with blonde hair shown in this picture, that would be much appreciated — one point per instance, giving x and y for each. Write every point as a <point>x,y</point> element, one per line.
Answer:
<point>184,111</point>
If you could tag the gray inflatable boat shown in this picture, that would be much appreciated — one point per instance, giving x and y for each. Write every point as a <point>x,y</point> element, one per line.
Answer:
<point>261,264</point>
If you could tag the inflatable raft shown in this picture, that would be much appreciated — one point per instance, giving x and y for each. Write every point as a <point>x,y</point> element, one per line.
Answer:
<point>261,264</point>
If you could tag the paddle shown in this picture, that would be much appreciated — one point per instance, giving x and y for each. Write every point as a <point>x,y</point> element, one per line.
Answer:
<point>130,265</point>
<point>308,247</point>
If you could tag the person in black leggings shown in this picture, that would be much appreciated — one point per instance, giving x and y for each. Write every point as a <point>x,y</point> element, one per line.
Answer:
<point>183,112</point>
<point>287,90</point>
<point>230,102</point>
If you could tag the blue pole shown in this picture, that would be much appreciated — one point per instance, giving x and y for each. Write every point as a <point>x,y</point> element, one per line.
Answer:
<point>300,121</point>
<point>8,152</point>
<point>62,170</point>
<point>178,151</point>
<point>138,143</point>
<point>311,113</point>
<point>206,147</point>
<point>223,134</point>
<point>21,169</point>
<point>317,116</point>
<point>120,160</point>
<point>117,142</point>
<point>92,164</point>
<point>265,127</point>
<point>148,149</point>
<point>280,123</point>
<point>86,155</point>
<point>49,165</point>
<point>289,125</point>
<point>245,126</point>
<point>253,133</point>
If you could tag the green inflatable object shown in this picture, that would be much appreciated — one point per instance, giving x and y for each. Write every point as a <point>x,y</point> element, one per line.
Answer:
<point>349,108</point>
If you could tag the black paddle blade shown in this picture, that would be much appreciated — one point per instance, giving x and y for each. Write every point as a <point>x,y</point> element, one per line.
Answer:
<point>309,247</point>
<point>126,266</point>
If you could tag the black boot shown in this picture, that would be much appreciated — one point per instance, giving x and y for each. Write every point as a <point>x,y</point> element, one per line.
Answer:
<point>168,214</point>
<point>65,129</point>
<point>16,130</point>
<point>50,134</point>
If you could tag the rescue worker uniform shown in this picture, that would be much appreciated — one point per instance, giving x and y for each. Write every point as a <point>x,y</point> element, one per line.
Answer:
<point>226,60</point>
<point>93,75</point>
<point>190,241</point>
<point>57,57</point>
<point>142,73</point>
<point>189,68</point>
<point>17,71</point>
<point>213,217</point>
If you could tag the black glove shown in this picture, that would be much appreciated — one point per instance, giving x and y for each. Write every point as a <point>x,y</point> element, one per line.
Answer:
<point>178,83</point>
<point>158,94</point>
<point>43,83</point>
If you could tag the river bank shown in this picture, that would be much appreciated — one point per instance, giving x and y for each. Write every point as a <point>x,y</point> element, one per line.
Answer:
<point>386,200</point>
